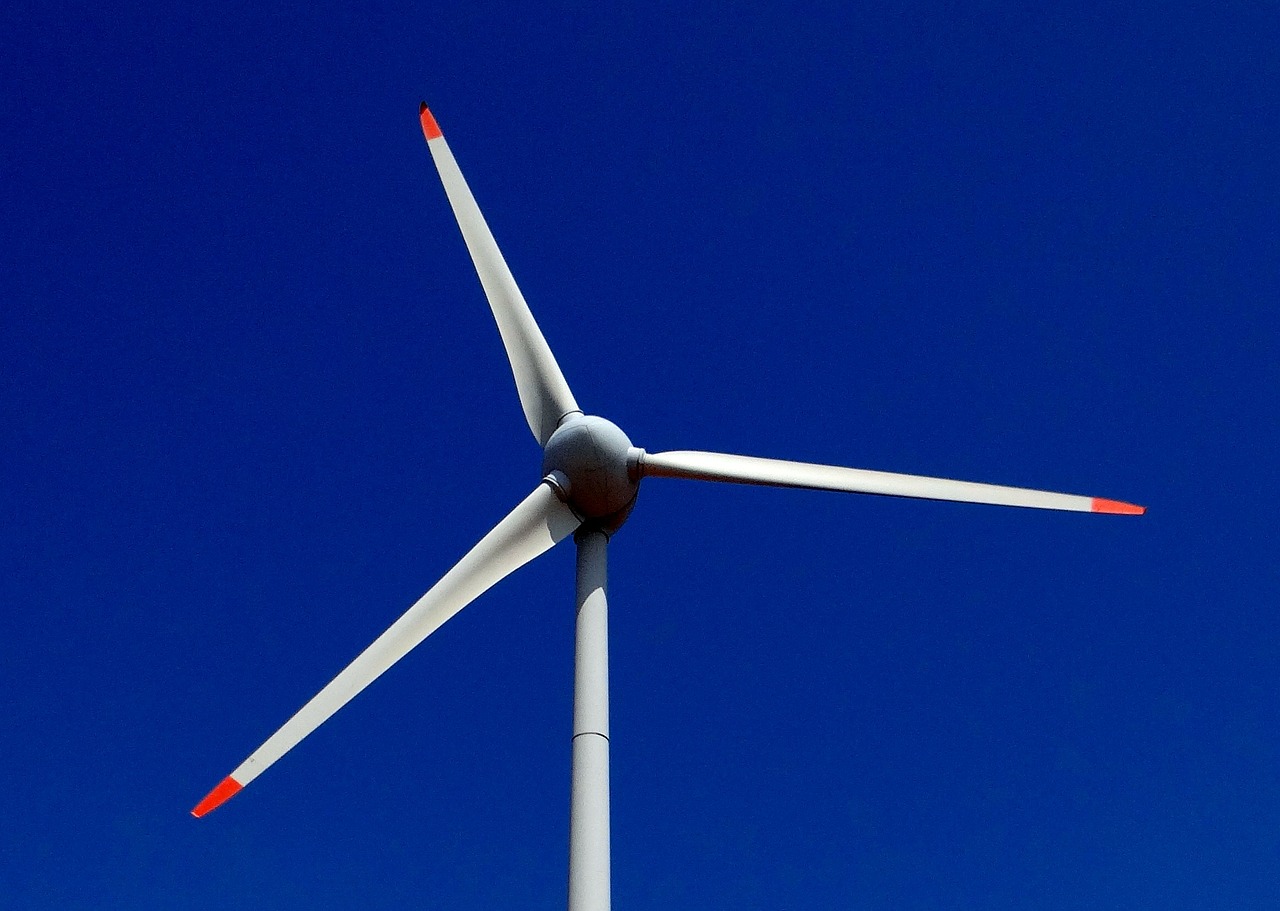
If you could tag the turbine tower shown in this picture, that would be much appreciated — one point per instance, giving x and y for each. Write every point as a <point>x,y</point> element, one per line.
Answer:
<point>591,475</point>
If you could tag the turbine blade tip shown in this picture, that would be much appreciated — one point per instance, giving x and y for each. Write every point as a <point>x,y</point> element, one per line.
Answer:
<point>430,128</point>
<point>226,789</point>
<point>1117,507</point>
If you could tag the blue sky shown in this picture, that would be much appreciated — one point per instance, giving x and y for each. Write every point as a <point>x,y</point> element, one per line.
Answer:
<point>253,404</point>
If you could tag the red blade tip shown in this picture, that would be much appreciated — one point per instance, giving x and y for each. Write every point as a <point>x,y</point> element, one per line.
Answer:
<point>1116,507</point>
<point>226,789</point>
<point>430,128</point>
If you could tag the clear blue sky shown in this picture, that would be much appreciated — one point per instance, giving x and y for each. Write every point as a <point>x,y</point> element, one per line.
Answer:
<point>252,404</point>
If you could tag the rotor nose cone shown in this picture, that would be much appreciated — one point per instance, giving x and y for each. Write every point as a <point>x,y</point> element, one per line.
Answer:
<point>592,453</point>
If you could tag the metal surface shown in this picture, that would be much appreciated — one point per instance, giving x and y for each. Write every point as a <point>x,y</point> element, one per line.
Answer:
<point>592,454</point>
<point>589,884</point>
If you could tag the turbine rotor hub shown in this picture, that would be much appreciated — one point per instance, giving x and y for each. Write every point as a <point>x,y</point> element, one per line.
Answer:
<point>594,460</point>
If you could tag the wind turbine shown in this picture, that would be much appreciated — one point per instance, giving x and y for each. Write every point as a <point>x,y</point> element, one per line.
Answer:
<point>591,475</point>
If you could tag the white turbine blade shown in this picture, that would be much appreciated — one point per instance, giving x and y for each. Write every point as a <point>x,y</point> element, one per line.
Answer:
<point>544,394</point>
<point>717,466</point>
<point>530,529</point>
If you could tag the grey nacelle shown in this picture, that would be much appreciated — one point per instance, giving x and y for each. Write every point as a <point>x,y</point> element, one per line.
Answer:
<point>593,454</point>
